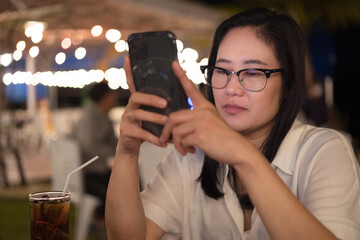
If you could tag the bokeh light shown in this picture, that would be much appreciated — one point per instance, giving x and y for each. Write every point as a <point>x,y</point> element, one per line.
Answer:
<point>77,39</point>
<point>60,58</point>
<point>190,54</point>
<point>5,59</point>
<point>21,45</point>
<point>7,79</point>
<point>96,30</point>
<point>121,46</point>
<point>80,53</point>
<point>66,43</point>
<point>36,37</point>
<point>34,51</point>
<point>17,55</point>
<point>179,45</point>
<point>33,26</point>
<point>113,35</point>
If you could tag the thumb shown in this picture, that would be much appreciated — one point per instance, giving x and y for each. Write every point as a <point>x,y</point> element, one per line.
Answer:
<point>128,73</point>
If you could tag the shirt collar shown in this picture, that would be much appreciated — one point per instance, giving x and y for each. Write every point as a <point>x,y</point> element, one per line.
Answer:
<point>286,155</point>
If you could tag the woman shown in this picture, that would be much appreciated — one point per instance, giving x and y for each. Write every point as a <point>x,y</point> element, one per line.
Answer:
<point>244,168</point>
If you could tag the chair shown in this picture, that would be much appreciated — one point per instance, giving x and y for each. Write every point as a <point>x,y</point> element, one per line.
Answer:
<point>65,157</point>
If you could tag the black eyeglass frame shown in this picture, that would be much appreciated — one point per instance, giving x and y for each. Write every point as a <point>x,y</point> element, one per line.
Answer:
<point>267,73</point>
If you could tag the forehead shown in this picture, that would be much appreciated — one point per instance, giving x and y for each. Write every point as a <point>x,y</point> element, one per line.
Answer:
<point>242,43</point>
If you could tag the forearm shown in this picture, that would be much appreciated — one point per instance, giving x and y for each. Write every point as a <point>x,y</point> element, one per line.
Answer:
<point>125,217</point>
<point>281,212</point>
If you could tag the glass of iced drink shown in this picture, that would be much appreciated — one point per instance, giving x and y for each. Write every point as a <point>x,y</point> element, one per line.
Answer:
<point>49,215</point>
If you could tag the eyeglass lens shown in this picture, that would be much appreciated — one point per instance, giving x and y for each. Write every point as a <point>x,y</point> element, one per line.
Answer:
<point>251,79</point>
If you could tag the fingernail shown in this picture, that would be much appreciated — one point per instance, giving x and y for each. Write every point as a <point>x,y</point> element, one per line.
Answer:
<point>162,102</point>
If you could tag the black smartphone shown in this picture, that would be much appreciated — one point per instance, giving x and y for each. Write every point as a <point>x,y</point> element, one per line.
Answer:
<point>151,56</point>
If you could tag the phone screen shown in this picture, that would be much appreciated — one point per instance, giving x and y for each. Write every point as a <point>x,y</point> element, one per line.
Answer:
<point>151,56</point>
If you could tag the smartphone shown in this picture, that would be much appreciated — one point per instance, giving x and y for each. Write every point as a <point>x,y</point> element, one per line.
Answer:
<point>151,56</point>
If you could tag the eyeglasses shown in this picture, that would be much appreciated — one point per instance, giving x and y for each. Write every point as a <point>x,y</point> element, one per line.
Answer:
<point>252,79</point>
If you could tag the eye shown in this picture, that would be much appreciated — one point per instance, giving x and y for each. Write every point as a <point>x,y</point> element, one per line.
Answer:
<point>252,73</point>
<point>221,71</point>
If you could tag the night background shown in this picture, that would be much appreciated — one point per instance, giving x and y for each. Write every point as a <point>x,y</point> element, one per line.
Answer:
<point>331,28</point>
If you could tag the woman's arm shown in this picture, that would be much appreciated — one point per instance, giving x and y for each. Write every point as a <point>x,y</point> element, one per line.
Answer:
<point>125,217</point>
<point>124,214</point>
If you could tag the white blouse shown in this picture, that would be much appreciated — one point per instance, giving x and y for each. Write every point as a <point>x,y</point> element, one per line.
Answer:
<point>317,164</point>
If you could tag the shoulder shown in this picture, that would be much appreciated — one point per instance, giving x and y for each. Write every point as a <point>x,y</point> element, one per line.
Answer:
<point>327,154</point>
<point>329,142</point>
<point>303,137</point>
<point>305,145</point>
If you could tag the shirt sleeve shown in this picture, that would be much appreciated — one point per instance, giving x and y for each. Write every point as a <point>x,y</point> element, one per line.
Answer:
<point>162,198</point>
<point>330,189</point>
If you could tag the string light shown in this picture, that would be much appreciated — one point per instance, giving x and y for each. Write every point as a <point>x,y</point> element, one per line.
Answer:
<point>74,79</point>
<point>79,78</point>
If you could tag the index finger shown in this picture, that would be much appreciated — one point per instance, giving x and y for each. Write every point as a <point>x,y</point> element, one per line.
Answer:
<point>189,87</point>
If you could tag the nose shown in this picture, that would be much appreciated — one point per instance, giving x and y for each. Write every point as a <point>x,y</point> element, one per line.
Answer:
<point>234,87</point>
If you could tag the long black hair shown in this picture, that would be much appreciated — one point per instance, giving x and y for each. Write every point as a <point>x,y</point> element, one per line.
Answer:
<point>284,36</point>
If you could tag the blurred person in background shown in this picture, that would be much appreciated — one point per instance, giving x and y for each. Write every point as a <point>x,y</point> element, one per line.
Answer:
<point>95,134</point>
<point>244,166</point>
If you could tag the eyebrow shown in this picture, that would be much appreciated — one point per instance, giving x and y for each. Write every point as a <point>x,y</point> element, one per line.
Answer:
<point>250,61</point>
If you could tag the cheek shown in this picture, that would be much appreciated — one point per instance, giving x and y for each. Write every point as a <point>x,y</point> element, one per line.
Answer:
<point>268,104</point>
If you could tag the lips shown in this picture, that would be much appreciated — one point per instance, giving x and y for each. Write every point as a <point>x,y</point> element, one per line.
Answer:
<point>233,108</point>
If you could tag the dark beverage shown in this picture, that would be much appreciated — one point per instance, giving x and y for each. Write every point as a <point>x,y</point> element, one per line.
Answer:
<point>49,216</point>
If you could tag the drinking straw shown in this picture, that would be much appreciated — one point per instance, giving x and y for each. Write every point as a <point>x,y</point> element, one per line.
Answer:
<point>75,170</point>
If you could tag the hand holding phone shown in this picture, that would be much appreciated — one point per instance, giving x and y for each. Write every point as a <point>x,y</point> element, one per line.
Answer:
<point>151,57</point>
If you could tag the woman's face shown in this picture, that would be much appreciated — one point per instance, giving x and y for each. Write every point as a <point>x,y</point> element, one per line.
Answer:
<point>251,113</point>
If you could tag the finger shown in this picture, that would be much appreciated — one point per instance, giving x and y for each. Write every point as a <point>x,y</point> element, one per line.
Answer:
<point>179,133</point>
<point>129,131</point>
<point>128,73</point>
<point>180,149</point>
<point>137,99</point>
<point>188,143</point>
<point>189,87</point>
<point>174,119</point>
<point>166,132</point>
<point>142,115</point>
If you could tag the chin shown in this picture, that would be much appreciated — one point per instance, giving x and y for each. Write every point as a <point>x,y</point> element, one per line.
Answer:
<point>237,125</point>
